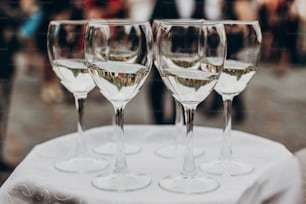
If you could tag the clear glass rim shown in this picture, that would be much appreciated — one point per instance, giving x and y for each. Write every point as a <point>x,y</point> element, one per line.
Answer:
<point>233,22</point>
<point>72,22</point>
<point>177,20</point>
<point>117,21</point>
<point>205,22</point>
<point>188,22</point>
<point>181,22</point>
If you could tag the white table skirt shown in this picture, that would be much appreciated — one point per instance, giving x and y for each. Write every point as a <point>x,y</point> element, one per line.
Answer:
<point>276,178</point>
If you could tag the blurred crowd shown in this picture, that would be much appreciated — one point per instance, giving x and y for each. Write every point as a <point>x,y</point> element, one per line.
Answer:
<point>24,23</point>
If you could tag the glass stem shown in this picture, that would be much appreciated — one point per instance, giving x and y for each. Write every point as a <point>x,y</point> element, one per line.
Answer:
<point>226,151</point>
<point>179,123</point>
<point>120,163</point>
<point>81,142</point>
<point>189,166</point>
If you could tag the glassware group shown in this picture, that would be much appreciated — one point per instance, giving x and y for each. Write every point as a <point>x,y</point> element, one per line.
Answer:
<point>193,57</point>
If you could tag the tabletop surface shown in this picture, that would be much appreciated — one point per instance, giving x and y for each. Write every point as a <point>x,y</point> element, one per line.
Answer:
<point>35,179</point>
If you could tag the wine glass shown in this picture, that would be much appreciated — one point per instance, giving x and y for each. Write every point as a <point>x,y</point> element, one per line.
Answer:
<point>119,54</point>
<point>190,55</point>
<point>65,43</point>
<point>243,47</point>
<point>173,149</point>
<point>108,148</point>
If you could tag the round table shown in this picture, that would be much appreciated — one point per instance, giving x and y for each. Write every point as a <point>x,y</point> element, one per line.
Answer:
<point>276,175</point>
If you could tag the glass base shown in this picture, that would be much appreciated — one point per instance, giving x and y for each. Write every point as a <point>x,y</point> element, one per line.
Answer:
<point>82,165</point>
<point>230,167</point>
<point>121,182</point>
<point>189,185</point>
<point>172,151</point>
<point>110,149</point>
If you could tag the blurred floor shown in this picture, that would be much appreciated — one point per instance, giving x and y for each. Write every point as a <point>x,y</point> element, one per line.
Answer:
<point>276,109</point>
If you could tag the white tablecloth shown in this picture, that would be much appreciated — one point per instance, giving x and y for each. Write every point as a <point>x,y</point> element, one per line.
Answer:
<point>276,178</point>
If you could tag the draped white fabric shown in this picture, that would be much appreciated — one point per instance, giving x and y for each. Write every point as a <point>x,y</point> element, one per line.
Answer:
<point>276,176</point>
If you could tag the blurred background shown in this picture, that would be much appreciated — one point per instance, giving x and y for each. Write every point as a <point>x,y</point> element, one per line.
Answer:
<point>34,107</point>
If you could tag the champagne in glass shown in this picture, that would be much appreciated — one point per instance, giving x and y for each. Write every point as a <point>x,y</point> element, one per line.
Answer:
<point>244,39</point>
<point>190,57</point>
<point>235,77</point>
<point>119,54</point>
<point>71,72</point>
<point>118,71</point>
<point>66,53</point>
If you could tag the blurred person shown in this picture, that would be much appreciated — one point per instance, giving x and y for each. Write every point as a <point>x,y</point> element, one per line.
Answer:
<point>170,9</point>
<point>8,46</point>
<point>197,9</point>
<point>280,19</point>
<point>104,9</point>
<point>33,16</point>
<point>77,12</point>
<point>140,9</point>
<point>300,5</point>
<point>301,10</point>
<point>51,90</point>
<point>175,9</point>
<point>264,7</point>
<point>162,9</point>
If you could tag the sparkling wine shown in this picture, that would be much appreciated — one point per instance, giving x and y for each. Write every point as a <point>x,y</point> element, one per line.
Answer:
<point>189,86</point>
<point>122,55</point>
<point>190,62</point>
<point>235,77</point>
<point>118,81</point>
<point>74,75</point>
